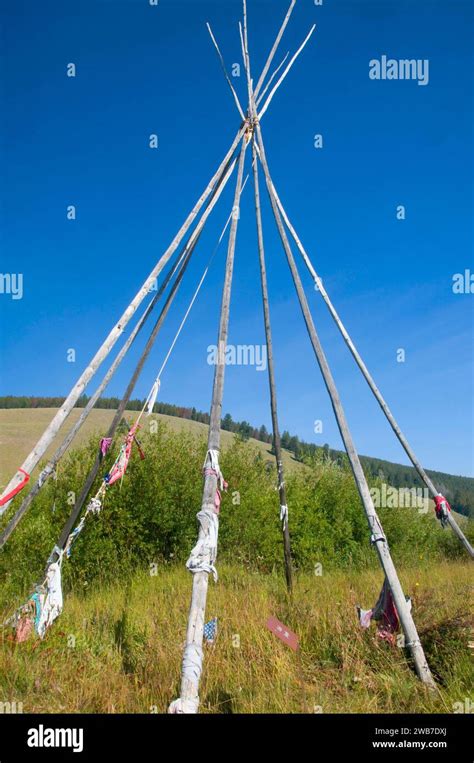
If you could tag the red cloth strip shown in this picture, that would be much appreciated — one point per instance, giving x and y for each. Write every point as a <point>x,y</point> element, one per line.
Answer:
<point>16,489</point>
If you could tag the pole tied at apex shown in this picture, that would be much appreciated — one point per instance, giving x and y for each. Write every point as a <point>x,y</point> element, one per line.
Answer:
<point>251,123</point>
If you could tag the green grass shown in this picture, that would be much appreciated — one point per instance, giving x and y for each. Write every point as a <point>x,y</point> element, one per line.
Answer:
<point>118,648</point>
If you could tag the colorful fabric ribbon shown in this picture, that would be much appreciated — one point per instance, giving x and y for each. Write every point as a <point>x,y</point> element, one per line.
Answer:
<point>105,444</point>
<point>211,467</point>
<point>16,490</point>
<point>120,466</point>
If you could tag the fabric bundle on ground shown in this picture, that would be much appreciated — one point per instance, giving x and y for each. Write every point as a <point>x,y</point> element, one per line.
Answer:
<point>384,613</point>
<point>43,606</point>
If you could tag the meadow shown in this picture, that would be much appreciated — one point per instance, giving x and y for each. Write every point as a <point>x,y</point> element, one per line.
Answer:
<point>117,646</point>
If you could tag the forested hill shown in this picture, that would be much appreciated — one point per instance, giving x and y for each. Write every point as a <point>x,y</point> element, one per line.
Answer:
<point>458,490</point>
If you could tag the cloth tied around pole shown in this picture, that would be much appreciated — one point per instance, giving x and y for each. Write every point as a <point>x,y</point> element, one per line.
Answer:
<point>284,515</point>
<point>120,466</point>
<point>191,671</point>
<point>184,707</point>
<point>384,613</point>
<point>94,507</point>
<point>203,556</point>
<point>211,467</point>
<point>442,509</point>
<point>17,488</point>
<point>43,606</point>
<point>151,400</point>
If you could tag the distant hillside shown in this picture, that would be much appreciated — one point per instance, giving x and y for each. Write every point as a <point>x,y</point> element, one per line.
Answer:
<point>457,489</point>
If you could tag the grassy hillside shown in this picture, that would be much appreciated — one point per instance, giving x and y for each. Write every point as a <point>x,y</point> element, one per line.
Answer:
<point>24,419</point>
<point>20,429</point>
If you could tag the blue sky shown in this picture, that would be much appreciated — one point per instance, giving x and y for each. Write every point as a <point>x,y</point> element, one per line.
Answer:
<point>142,70</point>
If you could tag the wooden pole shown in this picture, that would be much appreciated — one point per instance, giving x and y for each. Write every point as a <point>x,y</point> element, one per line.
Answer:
<point>271,380</point>
<point>267,322</point>
<point>221,59</point>
<point>287,69</point>
<point>367,375</point>
<point>274,49</point>
<point>265,89</point>
<point>378,539</point>
<point>188,701</point>
<point>52,429</point>
<point>245,54</point>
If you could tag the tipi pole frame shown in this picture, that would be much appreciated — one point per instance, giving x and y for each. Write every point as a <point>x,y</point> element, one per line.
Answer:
<point>188,701</point>
<point>91,477</point>
<point>52,429</point>
<point>412,641</point>
<point>367,375</point>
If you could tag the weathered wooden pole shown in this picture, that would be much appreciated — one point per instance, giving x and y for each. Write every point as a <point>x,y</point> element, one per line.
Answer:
<point>52,429</point>
<point>267,86</point>
<point>203,556</point>
<point>226,75</point>
<point>266,317</point>
<point>378,539</point>
<point>274,49</point>
<point>367,375</point>
<point>287,69</point>
<point>271,380</point>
